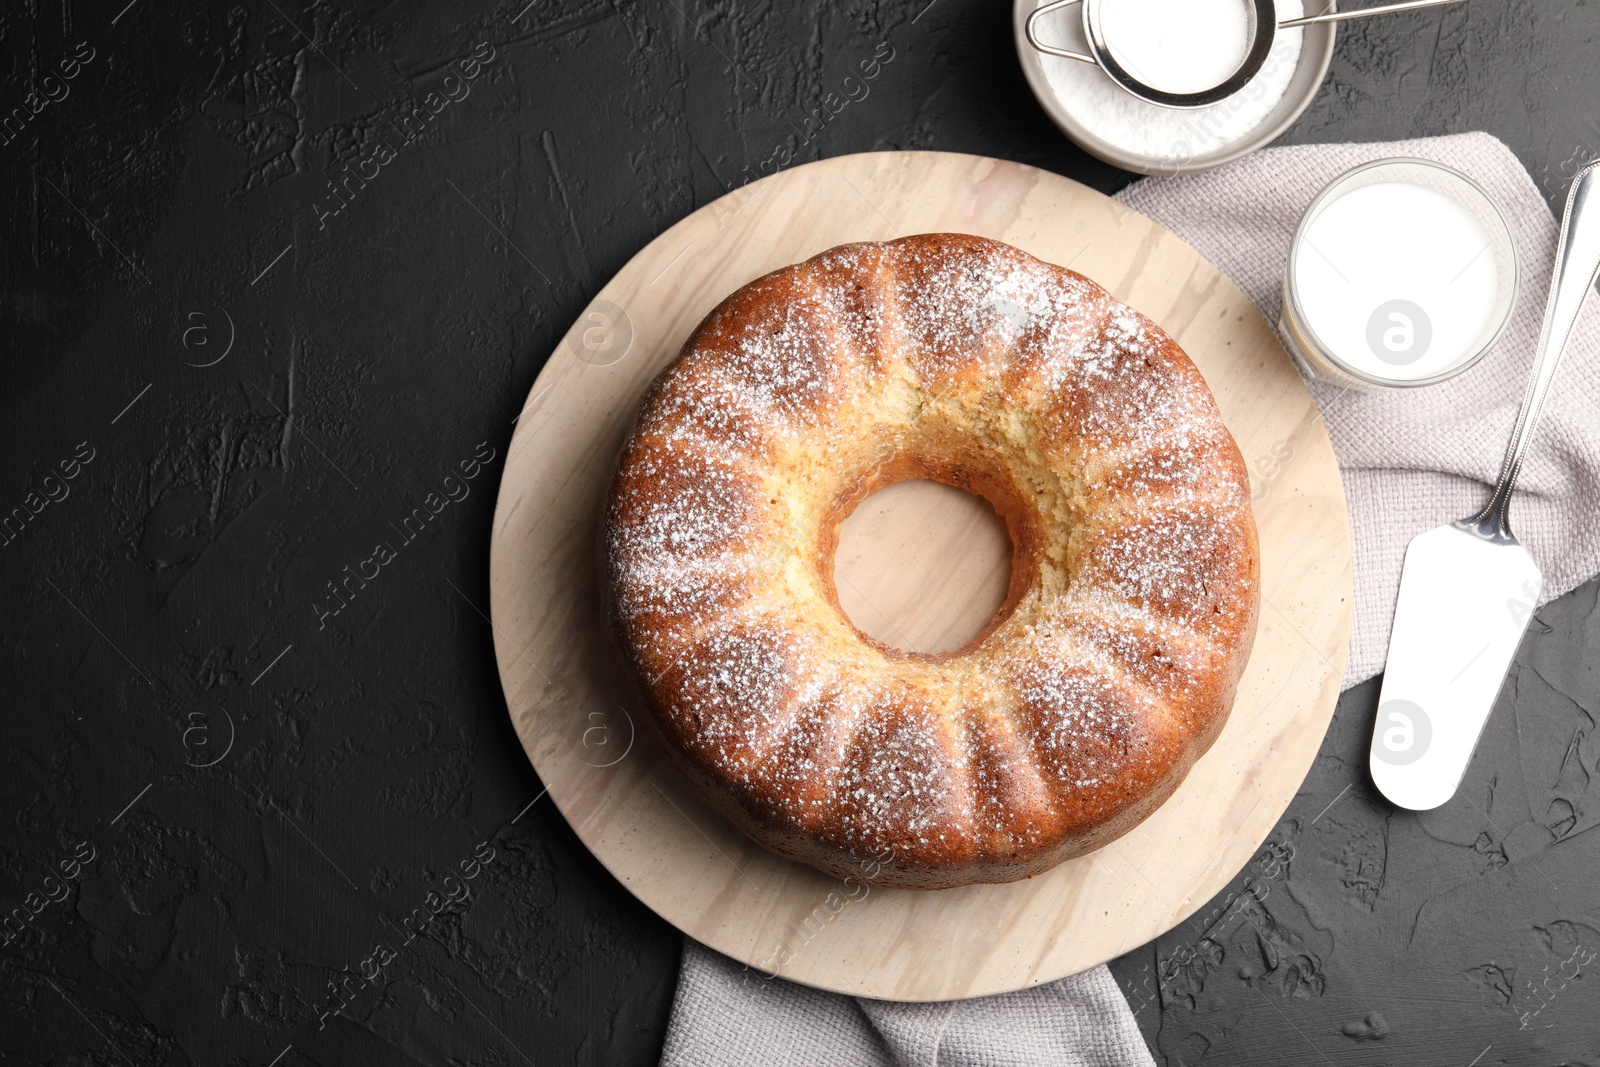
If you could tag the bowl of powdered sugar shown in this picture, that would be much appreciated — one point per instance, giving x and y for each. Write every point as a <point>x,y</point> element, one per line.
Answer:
<point>1177,46</point>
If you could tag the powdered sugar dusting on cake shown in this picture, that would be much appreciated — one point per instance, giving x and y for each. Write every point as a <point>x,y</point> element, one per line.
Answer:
<point>737,692</point>
<point>685,554</point>
<point>1125,392</point>
<point>1178,562</point>
<point>711,506</point>
<point>1085,731</point>
<point>1179,468</point>
<point>1008,789</point>
<point>781,363</point>
<point>977,306</point>
<point>852,279</point>
<point>901,781</point>
<point>709,414</point>
<point>801,772</point>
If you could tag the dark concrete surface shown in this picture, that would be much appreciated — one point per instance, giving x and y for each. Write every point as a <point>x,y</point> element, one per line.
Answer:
<point>225,792</point>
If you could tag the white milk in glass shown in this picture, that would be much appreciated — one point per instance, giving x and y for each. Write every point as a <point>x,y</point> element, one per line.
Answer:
<point>1397,280</point>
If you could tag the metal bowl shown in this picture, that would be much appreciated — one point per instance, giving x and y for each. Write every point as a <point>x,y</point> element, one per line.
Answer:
<point>1316,52</point>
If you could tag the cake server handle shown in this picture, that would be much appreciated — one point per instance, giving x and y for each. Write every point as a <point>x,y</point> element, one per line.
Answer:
<point>1577,267</point>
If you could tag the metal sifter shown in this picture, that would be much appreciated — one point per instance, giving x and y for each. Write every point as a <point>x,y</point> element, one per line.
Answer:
<point>1263,25</point>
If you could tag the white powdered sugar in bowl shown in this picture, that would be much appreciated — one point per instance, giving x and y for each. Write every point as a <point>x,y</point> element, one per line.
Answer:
<point>1186,45</point>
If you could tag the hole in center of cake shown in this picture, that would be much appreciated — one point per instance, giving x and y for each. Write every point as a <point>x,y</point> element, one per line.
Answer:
<point>922,566</point>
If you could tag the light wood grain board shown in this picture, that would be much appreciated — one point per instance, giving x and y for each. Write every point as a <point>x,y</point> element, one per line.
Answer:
<point>569,696</point>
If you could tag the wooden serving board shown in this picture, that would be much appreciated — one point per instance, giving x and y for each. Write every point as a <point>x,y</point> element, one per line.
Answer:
<point>570,699</point>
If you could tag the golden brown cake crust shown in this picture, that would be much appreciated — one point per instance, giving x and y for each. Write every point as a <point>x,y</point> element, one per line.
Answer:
<point>1110,669</point>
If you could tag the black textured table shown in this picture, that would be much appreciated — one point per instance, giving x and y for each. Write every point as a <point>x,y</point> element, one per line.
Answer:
<point>277,278</point>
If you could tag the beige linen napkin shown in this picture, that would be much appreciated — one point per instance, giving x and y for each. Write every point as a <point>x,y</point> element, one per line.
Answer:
<point>1411,460</point>
<point>726,1015</point>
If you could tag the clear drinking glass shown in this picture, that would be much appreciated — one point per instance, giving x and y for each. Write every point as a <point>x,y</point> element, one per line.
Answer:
<point>1393,324</point>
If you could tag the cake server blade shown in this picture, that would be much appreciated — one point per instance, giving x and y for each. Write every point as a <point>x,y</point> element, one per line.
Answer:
<point>1469,588</point>
<point>1465,601</point>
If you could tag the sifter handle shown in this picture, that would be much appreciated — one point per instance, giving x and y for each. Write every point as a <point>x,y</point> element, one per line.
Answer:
<point>1361,13</point>
<point>1030,31</point>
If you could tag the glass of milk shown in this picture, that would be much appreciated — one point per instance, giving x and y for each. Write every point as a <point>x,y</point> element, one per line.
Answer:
<point>1401,273</point>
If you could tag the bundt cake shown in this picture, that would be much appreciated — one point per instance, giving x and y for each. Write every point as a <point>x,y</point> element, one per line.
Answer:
<point>1132,604</point>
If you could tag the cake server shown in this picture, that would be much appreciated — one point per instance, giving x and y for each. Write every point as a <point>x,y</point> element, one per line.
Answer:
<point>1468,589</point>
